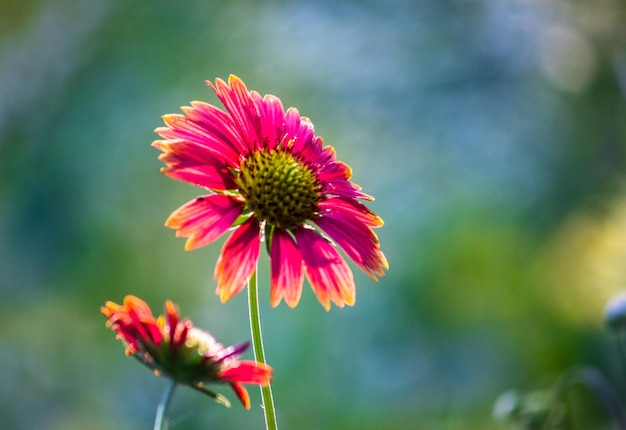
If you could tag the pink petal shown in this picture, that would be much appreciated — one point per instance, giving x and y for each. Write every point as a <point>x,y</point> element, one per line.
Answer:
<point>204,219</point>
<point>286,270</point>
<point>237,101</point>
<point>351,208</point>
<point>181,152</point>
<point>327,272</point>
<point>327,155</point>
<point>217,122</point>
<point>272,119</point>
<point>301,133</point>
<point>335,177</point>
<point>238,259</point>
<point>211,177</point>
<point>356,239</point>
<point>190,162</point>
<point>182,127</point>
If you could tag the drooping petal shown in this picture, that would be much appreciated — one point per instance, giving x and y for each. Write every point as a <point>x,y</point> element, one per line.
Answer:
<point>356,239</point>
<point>246,372</point>
<point>327,272</point>
<point>336,179</point>
<point>287,270</point>
<point>204,219</point>
<point>352,208</point>
<point>237,260</point>
<point>242,394</point>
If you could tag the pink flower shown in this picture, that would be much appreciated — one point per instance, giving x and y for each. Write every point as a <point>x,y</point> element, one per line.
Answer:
<point>269,178</point>
<point>174,347</point>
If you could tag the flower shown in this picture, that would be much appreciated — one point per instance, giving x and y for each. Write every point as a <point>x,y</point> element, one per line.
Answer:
<point>615,312</point>
<point>172,346</point>
<point>269,179</point>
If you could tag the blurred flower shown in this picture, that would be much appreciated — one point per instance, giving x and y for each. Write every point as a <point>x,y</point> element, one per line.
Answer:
<point>174,347</point>
<point>615,313</point>
<point>272,180</point>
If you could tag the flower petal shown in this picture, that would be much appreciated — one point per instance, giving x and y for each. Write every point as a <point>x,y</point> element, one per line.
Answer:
<point>272,119</point>
<point>204,219</point>
<point>181,127</point>
<point>357,240</point>
<point>134,323</point>
<point>352,208</point>
<point>299,131</point>
<point>238,102</point>
<point>187,161</point>
<point>203,176</point>
<point>335,177</point>
<point>287,274</point>
<point>327,272</point>
<point>242,394</point>
<point>217,122</point>
<point>237,260</point>
<point>246,372</point>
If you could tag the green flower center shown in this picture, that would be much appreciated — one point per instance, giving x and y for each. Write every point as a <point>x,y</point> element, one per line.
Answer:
<point>278,188</point>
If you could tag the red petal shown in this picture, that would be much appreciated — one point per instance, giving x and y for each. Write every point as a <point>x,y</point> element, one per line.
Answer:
<point>181,127</point>
<point>356,239</point>
<point>218,123</point>
<point>286,268</point>
<point>335,177</point>
<point>242,394</point>
<point>299,130</point>
<point>237,260</point>
<point>207,176</point>
<point>239,104</point>
<point>272,118</point>
<point>247,372</point>
<point>352,208</point>
<point>204,219</point>
<point>327,272</point>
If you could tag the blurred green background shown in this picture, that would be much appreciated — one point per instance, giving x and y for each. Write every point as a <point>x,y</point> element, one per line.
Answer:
<point>492,134</point>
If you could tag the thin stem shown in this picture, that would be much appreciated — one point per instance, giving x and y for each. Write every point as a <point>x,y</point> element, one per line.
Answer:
<point>621,350</point>
<point>160,421</point>
<point>259,355</point>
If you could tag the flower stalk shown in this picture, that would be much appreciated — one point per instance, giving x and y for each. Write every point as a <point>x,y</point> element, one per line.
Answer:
<point>259,355</point>
<point>161,421</point>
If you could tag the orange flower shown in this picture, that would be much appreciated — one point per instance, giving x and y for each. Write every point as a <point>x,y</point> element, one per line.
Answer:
<point>173,347</point>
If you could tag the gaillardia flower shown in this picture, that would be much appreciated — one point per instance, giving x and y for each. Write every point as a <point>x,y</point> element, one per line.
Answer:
<point>173,347</point>
<point>269,179</point>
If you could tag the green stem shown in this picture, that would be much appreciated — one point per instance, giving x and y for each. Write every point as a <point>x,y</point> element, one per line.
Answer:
<point>160,421</point>
<point>259,355</point>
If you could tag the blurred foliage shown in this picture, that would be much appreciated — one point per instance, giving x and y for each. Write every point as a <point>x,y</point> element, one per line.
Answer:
<point>492,134</point>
